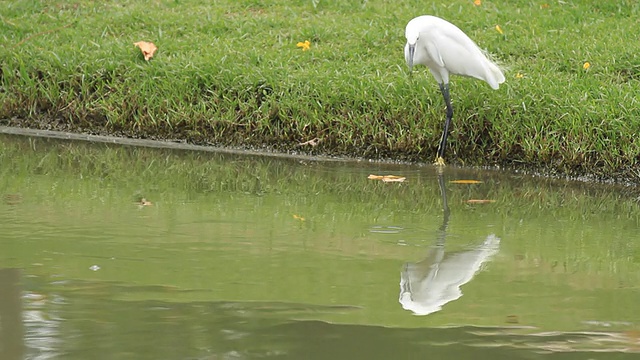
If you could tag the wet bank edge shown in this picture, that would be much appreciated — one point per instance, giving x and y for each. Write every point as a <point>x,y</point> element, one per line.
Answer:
<point>63,135</point>
<point>177,145</point>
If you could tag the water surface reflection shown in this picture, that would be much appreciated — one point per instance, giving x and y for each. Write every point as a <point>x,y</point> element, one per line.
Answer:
<point>11,317</point>
<point>274,330</point>
<point>428,285</point>
<point>257,257</point>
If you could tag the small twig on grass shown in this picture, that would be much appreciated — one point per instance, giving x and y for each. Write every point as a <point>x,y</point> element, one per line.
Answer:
<point>40,33</point>
<point>313,142</point>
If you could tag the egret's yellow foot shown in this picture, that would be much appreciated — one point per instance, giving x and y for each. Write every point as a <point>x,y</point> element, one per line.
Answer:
<point>439,161</point>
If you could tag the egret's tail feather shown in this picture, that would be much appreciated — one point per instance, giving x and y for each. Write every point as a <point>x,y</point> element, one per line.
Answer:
<point>495,77</point>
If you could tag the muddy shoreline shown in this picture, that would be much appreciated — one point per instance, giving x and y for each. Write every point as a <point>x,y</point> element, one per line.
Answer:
<point>121,139</point>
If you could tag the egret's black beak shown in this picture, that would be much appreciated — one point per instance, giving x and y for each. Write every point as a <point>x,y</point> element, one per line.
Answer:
<point>412,50</point>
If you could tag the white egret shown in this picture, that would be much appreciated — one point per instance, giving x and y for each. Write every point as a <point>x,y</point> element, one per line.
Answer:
<point>445,49</point>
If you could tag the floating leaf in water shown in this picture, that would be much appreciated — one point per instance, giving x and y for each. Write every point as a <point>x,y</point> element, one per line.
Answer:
<point>480,201</point>
<point>147,48</point>
<point>465,181</point>
<point>512,319</point>
<point>142,202</point>
<point>12,199</point>
<point>298,217</point>
<point>387,178</point>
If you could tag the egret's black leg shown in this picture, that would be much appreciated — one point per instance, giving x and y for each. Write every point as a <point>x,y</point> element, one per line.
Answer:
<point>444,89</point>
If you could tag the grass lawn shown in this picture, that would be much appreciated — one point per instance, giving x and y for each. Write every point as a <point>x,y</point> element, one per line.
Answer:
<point>230,73</point>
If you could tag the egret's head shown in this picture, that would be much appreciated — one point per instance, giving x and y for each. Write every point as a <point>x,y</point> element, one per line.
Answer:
<point>410,48</point>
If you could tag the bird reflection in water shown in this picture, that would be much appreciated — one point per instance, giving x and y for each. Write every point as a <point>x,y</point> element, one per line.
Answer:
<point>428,285</point>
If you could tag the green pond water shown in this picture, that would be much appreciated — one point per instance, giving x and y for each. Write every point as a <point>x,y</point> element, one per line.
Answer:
<point>121,252</point>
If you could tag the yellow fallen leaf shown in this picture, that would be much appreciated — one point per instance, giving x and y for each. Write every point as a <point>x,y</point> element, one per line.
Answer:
<point>297,217</point>
<point>480,201</point>
<point>147,48</point>
<point>465,181</point>
<point>387,178</point>
<point>304,45</point>
<point>499,29</point>
<point>477,2</point>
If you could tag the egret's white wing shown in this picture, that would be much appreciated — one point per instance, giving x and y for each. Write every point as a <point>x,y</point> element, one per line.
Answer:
<point>445,49</point>
<point>459,54</point>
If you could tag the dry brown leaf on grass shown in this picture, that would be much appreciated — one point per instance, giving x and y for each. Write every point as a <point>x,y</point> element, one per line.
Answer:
<point>387,178</point>
<point>147,48</point>
<point>465,181</point>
